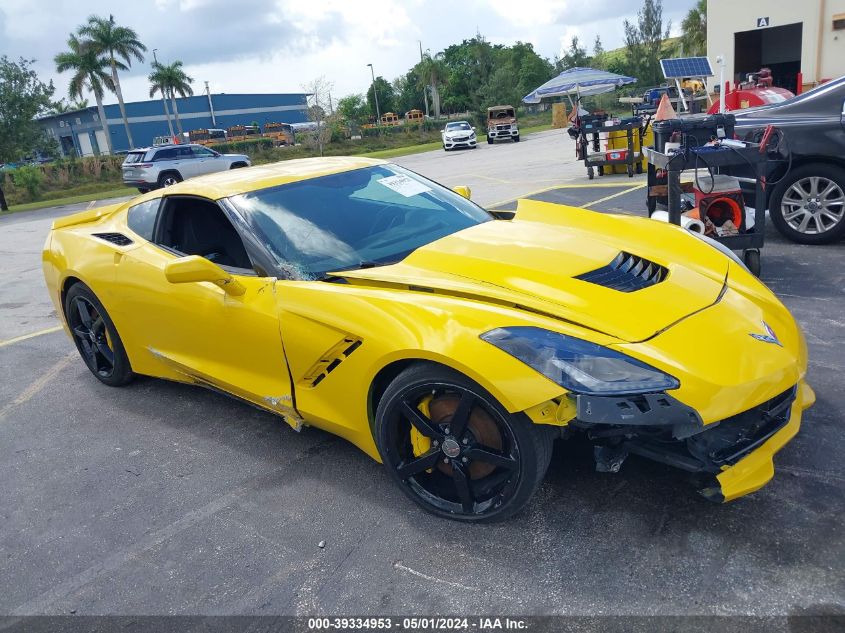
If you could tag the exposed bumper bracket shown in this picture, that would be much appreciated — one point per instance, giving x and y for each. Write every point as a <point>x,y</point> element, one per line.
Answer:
<point>650,409</point>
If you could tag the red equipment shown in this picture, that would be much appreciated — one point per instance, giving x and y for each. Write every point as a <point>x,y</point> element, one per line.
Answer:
<point>756,90</point>
<point>724,202</point>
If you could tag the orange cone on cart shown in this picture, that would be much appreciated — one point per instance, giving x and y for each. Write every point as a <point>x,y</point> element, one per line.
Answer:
<point>665,111</point>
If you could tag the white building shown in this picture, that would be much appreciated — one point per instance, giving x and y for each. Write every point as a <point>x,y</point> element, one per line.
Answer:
<point>788,36</point>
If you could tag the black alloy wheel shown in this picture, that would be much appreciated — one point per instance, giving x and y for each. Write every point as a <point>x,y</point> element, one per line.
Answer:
<point>454,450</point>
<point>95,337</point>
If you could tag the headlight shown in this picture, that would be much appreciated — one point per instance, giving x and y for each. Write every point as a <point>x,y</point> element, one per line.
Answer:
<point>721,248</point>
<point>579,366</point>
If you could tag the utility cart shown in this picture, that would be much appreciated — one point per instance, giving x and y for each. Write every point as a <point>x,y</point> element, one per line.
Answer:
<point>593,131</point>
<point>664,186</point>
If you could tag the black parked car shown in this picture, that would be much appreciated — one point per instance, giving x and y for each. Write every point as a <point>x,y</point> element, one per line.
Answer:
<point>807,194</point>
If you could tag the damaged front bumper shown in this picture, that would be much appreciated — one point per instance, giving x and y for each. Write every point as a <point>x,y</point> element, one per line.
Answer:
<point>734,456</point>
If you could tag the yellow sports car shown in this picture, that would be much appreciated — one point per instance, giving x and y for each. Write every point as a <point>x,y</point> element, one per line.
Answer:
<point>450,344</point>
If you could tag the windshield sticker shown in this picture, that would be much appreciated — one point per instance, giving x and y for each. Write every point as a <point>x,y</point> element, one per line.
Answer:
<point>403,185</point>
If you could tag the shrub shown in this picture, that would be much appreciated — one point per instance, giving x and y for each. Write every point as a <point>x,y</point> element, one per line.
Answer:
<point>30,178</point>
<point>243,147</point>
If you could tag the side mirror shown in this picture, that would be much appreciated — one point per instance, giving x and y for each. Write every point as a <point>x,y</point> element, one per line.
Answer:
<point>463,190</point>
<point>473,128</point>
<point>195,268</point>
<point>443,130</point>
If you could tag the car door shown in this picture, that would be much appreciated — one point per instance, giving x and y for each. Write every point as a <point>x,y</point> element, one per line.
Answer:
<point>842,115</point>
<point>205,160</point>
<point>198,331</point>
<point>188,165</point>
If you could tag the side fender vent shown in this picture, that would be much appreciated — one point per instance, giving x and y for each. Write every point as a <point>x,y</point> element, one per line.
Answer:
<point>626,273</point>
<point>330,361</point>
<point>115,238</point>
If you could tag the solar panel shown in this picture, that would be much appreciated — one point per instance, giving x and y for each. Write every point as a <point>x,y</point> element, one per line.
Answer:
<point>681,67</point>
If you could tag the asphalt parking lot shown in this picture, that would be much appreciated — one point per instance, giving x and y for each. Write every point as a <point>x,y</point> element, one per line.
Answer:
<point>161,498</point>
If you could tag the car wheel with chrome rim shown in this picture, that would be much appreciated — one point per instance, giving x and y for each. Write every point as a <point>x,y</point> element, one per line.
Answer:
<point>808,205</point>
<point>456,451</point>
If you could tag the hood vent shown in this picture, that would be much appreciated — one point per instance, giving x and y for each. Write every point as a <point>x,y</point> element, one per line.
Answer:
<point>115,238</point>
<point>626,273</point>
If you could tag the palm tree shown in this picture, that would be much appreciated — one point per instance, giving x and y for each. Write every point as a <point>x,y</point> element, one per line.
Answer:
<point>157,84</point>
<point>694,30</point>
<point>432,71</point>
<point>89,73</point>
<point>63,107</point>
<point>171,80</point>
<point>116,43</point>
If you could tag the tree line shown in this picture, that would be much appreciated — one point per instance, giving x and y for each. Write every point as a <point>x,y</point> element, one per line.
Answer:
<point>475,74</point>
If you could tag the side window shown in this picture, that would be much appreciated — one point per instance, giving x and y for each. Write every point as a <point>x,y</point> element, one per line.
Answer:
<point>202,152</point>
<point>142,218</point>
<point>195,226</point>
<point>184,152</point>
<point>166,154</point>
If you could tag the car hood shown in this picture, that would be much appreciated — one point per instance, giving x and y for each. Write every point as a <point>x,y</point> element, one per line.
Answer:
<point>451,133</point>
<point>533,262</point>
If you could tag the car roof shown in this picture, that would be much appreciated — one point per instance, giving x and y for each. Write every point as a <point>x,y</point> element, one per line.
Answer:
<point>455,123</point>
<point>236,181</point>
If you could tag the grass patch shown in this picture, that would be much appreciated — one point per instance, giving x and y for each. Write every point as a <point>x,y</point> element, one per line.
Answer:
<point>103,194</point>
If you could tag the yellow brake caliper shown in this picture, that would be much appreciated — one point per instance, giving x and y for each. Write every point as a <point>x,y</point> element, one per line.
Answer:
<point>420,443</point>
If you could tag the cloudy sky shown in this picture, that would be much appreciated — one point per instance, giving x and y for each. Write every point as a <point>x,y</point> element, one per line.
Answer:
<point>280,45</point>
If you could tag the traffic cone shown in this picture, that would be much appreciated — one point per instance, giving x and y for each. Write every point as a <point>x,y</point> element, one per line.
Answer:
<point>665,111</point>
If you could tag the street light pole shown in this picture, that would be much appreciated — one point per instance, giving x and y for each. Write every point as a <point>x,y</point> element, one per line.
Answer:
<point>425,87</point>
<point>375,95</point>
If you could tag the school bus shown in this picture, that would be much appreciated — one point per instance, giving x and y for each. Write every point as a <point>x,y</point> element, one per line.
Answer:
<point>390,119</point>
<point>281,133</point>
<point>242,132</point>
<point>414,116</point>
<point>207,136</point>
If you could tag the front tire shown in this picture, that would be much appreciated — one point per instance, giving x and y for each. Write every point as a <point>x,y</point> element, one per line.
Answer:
<point>96,338</point>
<point>808,205</point>
<point>454,450</point>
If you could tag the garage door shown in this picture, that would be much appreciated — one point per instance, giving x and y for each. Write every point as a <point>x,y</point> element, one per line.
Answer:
<point>85,144</point>
<point>101,142</point>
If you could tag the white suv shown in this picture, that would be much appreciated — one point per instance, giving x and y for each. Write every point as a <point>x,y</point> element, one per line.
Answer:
<point>166,165</point>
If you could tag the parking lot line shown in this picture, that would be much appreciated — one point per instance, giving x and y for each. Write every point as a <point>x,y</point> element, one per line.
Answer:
<point>567,186</point>
<point>615,195</point>
<point>37,385</point>
<point>25,337</point>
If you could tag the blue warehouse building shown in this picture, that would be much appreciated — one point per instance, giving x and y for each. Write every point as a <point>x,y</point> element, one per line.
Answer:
<point>80,132</point>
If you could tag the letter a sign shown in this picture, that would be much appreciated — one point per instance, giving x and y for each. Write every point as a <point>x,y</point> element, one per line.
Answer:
<point>761,22</point>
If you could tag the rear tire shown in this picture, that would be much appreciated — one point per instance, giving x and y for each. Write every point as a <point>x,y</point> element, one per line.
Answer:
<point>96,338</point>
<point>169,178</point>
<point>454,450</point>
<point>808,205</point>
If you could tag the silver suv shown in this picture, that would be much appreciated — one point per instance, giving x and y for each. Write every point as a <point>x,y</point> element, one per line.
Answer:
<point>166,165</point>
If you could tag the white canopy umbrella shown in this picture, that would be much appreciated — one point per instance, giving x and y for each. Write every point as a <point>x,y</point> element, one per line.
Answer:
<point>579,81</point>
